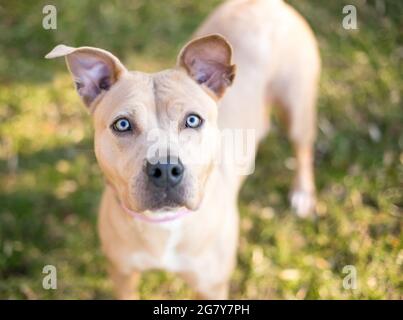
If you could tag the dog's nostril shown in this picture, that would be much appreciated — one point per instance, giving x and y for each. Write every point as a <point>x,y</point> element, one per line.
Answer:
<point>176,171</point>
<point>157,173</point>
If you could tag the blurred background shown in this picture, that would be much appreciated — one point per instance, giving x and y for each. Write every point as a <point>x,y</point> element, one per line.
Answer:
<point>50,184</point>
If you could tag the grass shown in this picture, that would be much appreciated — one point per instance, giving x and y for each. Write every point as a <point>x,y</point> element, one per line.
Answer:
<point>50,183</point>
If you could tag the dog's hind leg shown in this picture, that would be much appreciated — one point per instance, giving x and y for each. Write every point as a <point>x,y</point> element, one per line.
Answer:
<point>302,196</point>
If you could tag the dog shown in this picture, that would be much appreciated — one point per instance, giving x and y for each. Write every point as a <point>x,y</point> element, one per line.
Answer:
<point>163,210</point>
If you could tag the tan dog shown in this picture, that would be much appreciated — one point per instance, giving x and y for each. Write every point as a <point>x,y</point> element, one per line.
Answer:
<point>161,208</point>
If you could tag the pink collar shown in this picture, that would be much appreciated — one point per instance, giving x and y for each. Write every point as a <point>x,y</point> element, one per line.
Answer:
<point>180,213</point>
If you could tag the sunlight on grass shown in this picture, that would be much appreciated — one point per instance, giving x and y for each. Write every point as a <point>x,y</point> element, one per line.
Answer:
<point>51,184</point>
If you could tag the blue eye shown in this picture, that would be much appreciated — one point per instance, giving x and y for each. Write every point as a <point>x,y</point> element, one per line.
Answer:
<point>122,125</point>
<point>193,121</point>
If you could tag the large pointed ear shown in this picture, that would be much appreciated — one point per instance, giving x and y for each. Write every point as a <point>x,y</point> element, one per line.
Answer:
<point>93,70</point>
<point>208,61</point>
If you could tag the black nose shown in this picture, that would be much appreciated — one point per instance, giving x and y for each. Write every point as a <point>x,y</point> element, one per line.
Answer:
<point>163,173</point>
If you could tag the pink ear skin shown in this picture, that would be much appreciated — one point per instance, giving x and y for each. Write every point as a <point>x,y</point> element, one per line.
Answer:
<point>208,61</point>
<point>93,70</point>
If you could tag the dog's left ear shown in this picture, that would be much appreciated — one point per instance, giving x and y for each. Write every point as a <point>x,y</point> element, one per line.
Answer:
<point>93,70</point>
<point>208,61</point>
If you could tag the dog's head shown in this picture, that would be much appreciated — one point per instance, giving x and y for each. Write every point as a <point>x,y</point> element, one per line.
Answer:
<point>155,134</point>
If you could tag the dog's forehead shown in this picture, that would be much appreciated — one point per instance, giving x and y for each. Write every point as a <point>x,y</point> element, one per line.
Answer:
<point>132,89</point>
<point>165,86</point>
<point>173,87</point>
<point>168,92</point>
<point>175,91</point>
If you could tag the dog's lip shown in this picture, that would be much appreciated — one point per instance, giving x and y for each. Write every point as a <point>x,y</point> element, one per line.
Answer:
<point>167,211</point>
<point>159,215</point>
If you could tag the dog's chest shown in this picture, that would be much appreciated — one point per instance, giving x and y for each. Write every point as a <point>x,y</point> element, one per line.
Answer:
<point>167,257</point>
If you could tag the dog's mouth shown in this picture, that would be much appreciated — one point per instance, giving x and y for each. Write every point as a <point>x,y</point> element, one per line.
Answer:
<point>166,212</point>
<point>160,215</point>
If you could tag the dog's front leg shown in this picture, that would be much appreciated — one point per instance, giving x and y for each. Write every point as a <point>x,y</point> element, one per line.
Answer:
<point>206,288</point>
<point>125,284</point>
<point>210,279</point>
<point>216,291</point>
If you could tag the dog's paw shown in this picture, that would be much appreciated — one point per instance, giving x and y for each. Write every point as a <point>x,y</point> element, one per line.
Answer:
<point>303,202</point>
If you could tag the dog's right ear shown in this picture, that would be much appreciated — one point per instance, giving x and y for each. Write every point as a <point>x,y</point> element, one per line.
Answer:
<point>94,70</point>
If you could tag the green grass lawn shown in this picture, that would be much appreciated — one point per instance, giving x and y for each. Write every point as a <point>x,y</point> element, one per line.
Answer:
<point>50,184</point>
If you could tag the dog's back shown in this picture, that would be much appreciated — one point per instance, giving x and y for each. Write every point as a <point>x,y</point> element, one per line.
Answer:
<point>273,48</point>
<point>278,62</point>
